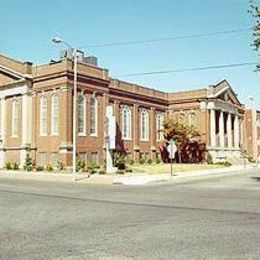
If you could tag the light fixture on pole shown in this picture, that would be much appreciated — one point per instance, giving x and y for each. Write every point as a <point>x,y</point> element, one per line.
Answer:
<point>58,40</point>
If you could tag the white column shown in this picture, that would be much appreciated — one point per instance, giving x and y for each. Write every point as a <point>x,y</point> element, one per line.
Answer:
<point>236,132</point>
<point>3,131</point>
<point>229,131</point>
<point>26,125</point>
<point>221,130</point>
<point>212,128</point>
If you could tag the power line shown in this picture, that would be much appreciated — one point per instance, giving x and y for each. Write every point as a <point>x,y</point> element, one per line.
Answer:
<point>189,69</point>
<point>197,35</point>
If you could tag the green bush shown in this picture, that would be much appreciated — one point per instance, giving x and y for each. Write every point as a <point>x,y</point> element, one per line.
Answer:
<point>128,170</point>
<point>15,166</point>
<point>49,168</point>
<point>209,159</point>
<point>130,161</point>
<point>158,160</point>
<point>149,161</point>
<point>8,166</point>
<point>92,167</point>
<point>80,166</point>
<point>28,164</point>
<point>224,163</point>
<point>142,161</point>
<point>39,168</point>
<point>102,172</point>
<point>119,160</point>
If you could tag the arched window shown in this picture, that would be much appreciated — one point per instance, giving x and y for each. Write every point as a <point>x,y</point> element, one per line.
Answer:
<point>159,126</point>
<point>126,122</point>
<point>144,125</point>
<point>43,115</point>
<point>54,114</point>
<point>14,117</point>
<point>93,116</point>
<point>81,115</point>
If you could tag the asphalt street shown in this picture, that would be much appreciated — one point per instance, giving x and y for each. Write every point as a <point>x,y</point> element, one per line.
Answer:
<point>204,218</point>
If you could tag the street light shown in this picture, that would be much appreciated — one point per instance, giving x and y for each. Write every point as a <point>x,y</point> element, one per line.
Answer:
<point>254,125</point>
<point>58,40</point>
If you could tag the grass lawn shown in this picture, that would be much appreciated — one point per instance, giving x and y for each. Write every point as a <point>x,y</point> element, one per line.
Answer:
<point>166,168</point>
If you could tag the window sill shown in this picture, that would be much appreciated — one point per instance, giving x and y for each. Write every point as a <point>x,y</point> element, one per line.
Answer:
<point>127,139</point>
<point>93,135</point>
<point>144,140</point>
<point>82,135</point>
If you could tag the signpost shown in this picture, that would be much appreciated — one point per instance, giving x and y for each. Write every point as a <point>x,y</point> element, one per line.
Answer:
<point>172,149</point>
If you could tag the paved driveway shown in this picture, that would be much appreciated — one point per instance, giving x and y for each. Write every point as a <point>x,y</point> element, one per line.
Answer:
<point>202,218</point>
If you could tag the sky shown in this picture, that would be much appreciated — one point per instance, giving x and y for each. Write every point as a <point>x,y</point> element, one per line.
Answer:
<point>27,26</point>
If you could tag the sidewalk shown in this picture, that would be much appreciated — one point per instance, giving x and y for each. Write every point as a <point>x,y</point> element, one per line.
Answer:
<point>128,179</point>
<point>144,179</point>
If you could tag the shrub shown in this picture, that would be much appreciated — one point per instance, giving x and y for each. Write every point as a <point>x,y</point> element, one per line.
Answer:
<point>92,167</point>
<point>149,161</point>
<point>120,172</point>
<point>224,163</point>
<point>49,168</point>
<point>81,165</point>
<point>142,161</point>
<point>131,161</point>
<point>209,159</point>
<point>119,160</point>
<point>28,164</point>
<point>15,166</point>
<point>128,170</point>
<point>60,165</point>
<point>8,166</point>
<point>158,160</point>
<point>102,172</point>
<point>39,168</point>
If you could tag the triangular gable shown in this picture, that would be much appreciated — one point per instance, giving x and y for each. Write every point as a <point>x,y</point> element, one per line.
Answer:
<point>224,91</point>
<point>9,76</point>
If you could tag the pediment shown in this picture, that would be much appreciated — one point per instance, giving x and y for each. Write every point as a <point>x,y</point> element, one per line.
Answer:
<point>8,76</point>
<point>223,91</point>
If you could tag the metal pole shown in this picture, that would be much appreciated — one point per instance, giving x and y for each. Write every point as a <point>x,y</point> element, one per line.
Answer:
<point>74,141</point>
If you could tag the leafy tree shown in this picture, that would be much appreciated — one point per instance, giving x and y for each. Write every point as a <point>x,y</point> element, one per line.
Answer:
<point>254,10</point>
<point>180,133</point>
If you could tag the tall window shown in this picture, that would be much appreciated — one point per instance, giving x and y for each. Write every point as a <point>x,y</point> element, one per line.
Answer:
<point>81,115</point>
<point>192,119</point>
<point>159,126</point>
<point>144,125</point>
<point>14,117</point>
<point>54,114</point>
<point>126,122</point>
<point>43,115</point>
<point>93,116</point>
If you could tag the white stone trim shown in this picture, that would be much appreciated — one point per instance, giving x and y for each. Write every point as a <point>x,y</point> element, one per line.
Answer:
<point>12,91</point>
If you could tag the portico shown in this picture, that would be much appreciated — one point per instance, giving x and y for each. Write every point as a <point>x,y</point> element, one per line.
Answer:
<point>225,129</point>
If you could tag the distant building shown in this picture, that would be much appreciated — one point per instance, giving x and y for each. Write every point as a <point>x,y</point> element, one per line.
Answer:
<point>36,113</point>
<point>252,128</point>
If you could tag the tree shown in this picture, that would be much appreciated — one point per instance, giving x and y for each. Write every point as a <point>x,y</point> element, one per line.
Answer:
<point>254,10</point>
<point>181,133</point>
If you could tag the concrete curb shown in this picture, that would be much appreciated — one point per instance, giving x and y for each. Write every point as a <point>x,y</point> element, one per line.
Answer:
<point>133,179</point>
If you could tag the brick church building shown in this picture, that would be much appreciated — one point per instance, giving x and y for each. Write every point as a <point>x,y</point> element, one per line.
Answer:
<point>36,113</point>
